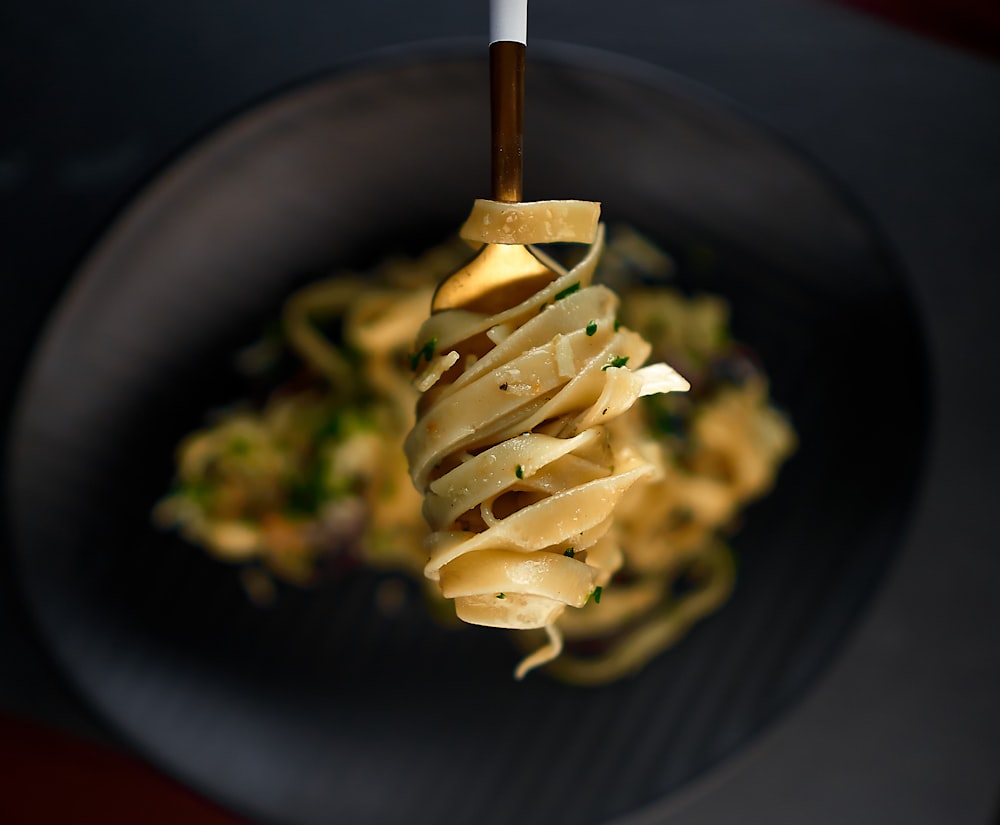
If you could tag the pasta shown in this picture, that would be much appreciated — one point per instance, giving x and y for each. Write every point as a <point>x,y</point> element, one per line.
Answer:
<point>515,447</point>
<point>311,479</point>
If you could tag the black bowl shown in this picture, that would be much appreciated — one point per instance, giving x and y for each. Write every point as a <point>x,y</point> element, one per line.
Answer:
<point>321,709</point>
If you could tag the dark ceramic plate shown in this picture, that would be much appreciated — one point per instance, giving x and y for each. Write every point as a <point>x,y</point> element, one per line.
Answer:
<point>319,709</point>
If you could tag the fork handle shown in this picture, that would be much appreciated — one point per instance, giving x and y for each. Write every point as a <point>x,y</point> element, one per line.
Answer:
<point>508,38</point>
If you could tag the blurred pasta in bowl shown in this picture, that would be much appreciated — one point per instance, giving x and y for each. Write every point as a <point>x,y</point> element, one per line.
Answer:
<point>312,480</point>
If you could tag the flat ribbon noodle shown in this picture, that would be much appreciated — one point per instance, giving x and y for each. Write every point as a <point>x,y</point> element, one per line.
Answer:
<point>565,221</point>
<point>512,449</point>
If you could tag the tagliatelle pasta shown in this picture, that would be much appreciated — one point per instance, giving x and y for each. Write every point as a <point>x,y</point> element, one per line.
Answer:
<point>515,447</point>
<point>311,479</point>
<point>534,222</point>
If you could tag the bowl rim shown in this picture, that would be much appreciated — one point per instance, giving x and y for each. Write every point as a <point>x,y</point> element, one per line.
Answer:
<point>681,804</point>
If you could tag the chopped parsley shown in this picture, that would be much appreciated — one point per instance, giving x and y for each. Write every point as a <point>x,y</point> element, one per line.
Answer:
<point>240,446</point>
<point>519,471</point>
<point>199,492</point>
<point>591,328</point>
<point>569,552</point>
<point>501,596</point>
<point>567,291</point>
<point>426,352</point>
<point>596,595</point>
<point>343,422</point>
<point>617,361</point>
<point>307,491</point>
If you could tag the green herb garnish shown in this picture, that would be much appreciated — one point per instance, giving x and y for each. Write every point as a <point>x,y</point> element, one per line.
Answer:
<point>519,471</point>
<point>240,446</point>
<point>569,551</point>
<point>426,352</point>
<point>199,492</point>
<point>501,596</point>
<point>568,291</point>
<point>591,328</point>
<point>307,491</point>
<point>617,361</point>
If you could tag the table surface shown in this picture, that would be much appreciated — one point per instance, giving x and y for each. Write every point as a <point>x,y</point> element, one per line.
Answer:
<point>99,97</point>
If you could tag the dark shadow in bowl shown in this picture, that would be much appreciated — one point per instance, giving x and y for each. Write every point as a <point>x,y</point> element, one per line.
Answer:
<point>320,708</point>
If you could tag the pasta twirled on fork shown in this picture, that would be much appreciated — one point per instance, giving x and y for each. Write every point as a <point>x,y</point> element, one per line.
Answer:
<point>516,447</point>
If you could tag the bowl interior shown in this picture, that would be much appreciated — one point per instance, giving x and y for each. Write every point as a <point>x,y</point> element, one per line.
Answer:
<point>319,706</point>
